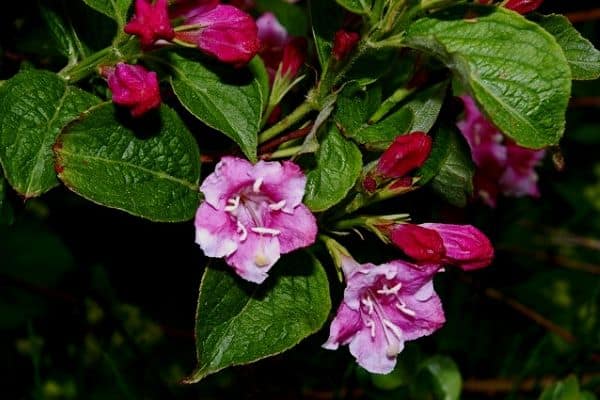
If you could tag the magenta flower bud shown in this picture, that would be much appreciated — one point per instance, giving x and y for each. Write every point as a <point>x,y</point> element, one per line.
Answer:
<point>383,307</point>
<point>523,6</point>
<point>343,43</point>
<point>150,22</point>
<point>466,246</point>
<point>133,86</point>
<point>225,32</point>
<point>417,242</point>
<point>406,153</point>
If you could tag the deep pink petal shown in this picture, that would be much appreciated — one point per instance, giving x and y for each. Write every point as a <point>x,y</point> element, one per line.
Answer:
<point>298,230</point>
<point>231,174</point>
<point>343,327</point>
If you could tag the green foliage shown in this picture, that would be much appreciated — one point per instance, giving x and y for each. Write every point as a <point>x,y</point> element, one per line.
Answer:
<point>225,99</point>
<point>34,106</point>
<point>238,322</point>
<point>148,167</point>
<point>583,58</point>
<point>326,18</point>
<point>520,78</point>
<point>63,35</point>
<point>356,6</point>
<point>438,376</point>
<point>114,9</point>
<point>449,168</point>
<point>339,162</point>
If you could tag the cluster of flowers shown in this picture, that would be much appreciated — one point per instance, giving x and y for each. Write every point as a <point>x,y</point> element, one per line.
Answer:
<point>253,213</point>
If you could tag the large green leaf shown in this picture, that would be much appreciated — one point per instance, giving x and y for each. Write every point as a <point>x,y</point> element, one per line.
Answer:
<point>339,162</point>
<point>114,9</point>
<point>63,35</point>
<point>449,168</point>
<point>238,322</point>
<point>515,69</point>
<point>356,6</point>
<point>227,99</point>
<point>583,58</point>
<point>34,106</point>
<point>149,167</point>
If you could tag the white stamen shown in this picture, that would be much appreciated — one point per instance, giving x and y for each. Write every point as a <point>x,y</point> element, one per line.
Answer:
<point>277,206</point>
<point>386,290</point>
<point>369,303</point>
<point>370,324</point>
<point>257,183</point>
<point>266,231</point>
<point>233,204</point>
<point>395,330</point>
<point>364,271</point>
<point>402,307</point>
<point>241,229</point>
<point>442,270</point>
<point>392,350</point>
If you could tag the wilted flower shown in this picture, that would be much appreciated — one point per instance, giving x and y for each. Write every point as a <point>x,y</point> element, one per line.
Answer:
<point>133,86</point>
<point>150,22</point>
<point>502,166</point>
<point>384,306</point>
<point>343,43</point>
<point>253,213</point>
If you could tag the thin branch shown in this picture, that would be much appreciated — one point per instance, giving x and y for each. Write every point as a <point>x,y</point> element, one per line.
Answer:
<point>276,142</point>
<point>583,16</point>
<point>584,101</point>
<point>522,309</point>
<point>557,260</point>
<point>505,385</point>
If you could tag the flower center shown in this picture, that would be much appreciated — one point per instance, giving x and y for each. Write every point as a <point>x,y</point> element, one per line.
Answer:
<point>374,304</point>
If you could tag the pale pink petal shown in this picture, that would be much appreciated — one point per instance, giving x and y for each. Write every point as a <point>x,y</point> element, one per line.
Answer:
<point>286,182</point>
<point>231,174</point>
<point>215,232</point>
<point>254,257</point>
<point>375,354</point>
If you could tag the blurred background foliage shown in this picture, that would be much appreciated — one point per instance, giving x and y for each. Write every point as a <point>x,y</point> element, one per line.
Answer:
<point>96,304</point>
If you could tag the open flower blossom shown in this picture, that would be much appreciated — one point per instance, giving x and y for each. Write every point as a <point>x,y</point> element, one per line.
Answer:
<point>222,31</point>
<point>384,306</point>
<point>150,22</point>
<point>252,214</point>
<point>133,86</point>
<point>502,166</point>
<point>462,245</point>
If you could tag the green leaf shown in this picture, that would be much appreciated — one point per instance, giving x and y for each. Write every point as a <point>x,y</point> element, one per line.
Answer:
<point>438,376</point>
<point>449,168</point>
<point>326,18</point>
<point>355,105</point>
<point>34,106</point>
<point>380,135</point>
<point>563,390</point>
<point>356,6</point>
<point>425,107</point>
<point>227,99</point>
<point>64,36</point>
<point>114,9</point>
<point>339,163</point>
<point>149,167</point>
<point>583,58</point>
<point>238,322</point>
<point>515,70</point>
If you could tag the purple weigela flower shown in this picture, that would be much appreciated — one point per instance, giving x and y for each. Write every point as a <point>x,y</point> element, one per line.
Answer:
<point>252,214</point>
<point>384,306</point>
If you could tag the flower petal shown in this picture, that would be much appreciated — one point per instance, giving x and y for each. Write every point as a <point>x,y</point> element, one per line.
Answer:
<point>215,231</point>
<point>255,257</point>
<point>231,174</point>
<point>371,353</point>
<point>298,230</point>
<point>343,327</point>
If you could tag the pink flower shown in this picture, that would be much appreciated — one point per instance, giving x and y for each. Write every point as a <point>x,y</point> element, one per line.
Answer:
<point>133,86</point>
<point>294,54</point>
<point>252,214</point>
<point>406,153</point>
<point>502,166</point>
<point>465,245</point>
<point>223,31</point>
<point>343,43</point>
<point>150,22</point>
<point>384,306</point>
<point>523,6</point>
